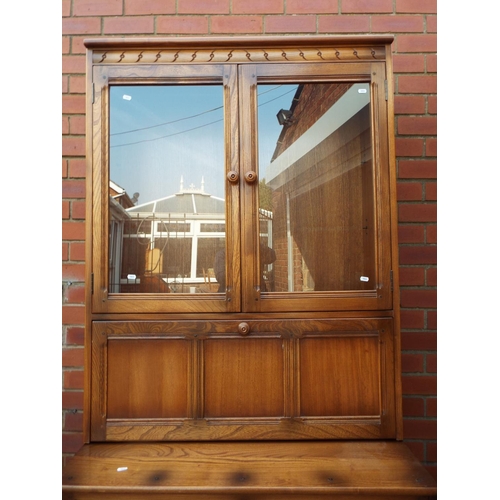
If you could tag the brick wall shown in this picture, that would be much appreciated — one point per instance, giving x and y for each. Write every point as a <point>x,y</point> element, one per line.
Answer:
<point>414,24</point>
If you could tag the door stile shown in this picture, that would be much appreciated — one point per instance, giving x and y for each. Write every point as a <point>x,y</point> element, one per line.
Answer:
<point>233,207</point>
<point>249,182</point>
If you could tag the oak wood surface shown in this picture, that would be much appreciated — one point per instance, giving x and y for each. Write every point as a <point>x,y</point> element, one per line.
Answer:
<point>382,469</point>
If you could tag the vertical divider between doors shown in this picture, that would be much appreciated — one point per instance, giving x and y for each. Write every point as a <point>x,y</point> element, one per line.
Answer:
<point>233,196</point>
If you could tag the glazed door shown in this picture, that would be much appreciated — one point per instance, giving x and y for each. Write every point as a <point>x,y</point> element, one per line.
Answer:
<point>166,208</point>
<point>316,178</point>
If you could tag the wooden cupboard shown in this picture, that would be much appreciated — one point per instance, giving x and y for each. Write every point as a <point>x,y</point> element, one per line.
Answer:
<point>253,294</point>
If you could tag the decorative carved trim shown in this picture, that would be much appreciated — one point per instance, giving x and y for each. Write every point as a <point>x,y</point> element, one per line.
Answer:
<point>237,55</point>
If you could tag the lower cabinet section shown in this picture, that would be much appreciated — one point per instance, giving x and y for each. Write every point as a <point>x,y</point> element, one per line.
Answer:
<point>234,380</point>
<point>341,470</point>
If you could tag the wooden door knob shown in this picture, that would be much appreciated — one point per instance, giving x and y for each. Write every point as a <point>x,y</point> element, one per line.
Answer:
<point>251,176</point>
<point>244,328</point>
<point>233,176</point>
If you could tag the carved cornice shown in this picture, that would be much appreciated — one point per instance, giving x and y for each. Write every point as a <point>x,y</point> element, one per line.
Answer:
<point>237,50</point>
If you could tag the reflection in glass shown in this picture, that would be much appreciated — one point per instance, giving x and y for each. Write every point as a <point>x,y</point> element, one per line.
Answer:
<point>316,189</point>
<point>167,209</point>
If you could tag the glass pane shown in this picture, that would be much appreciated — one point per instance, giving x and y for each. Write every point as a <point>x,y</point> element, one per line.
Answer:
<point>166,188</point>
<point>316,187</point>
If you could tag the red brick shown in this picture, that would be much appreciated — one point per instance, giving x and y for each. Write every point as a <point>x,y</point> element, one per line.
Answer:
<point>417,125</point>
<point>73,188</point>
<point>418,341</point>
<point>432,104</point>
<point>409,105</point>
<point>417,169</point>
<point>73,231</point>
<point>73,272</point>
<point>65,44</point>
<point>418,298</point>
<point>72,400</point>
<point>431,363</point>
<point>183,25</point>
<point>75,335</point>
<point>65,209</point>
<point>431,452</point>
<point>97,8</point>
<point>366,6</point>
<point>431,277</point>
<point>411,276</point>
<point>412,363</point>
<point>432,320</point>
<point>413,407</point>
<point>411,233</point>
<point>431,234</point>
<point>77,84</point>
<point>147,7</point>
<point>417,212</point>
<point>417,448</point>
<point>417,84</point>
<point>73,421</point>
<point>75,294</point>
<point>73,146</point>
<point>73,315</point>
<point>431,407</point>
<point>409,191</point>
<point>409,63</point>
<point>66,8</point>
<point>416,43</point>
<point>397,24</point>
<point>77,45</point>
<point>65,125</point>
<point>64,168</point>
<point>431,191</point>
<point>65,251</point>
<point>416,6</point>
<point>77,251</point>
<point>431,63</point>
<point>417,255</point>
<point>316,6</point>
<point>72,441</point>
<point>77,125</point>
<point>290,24</point>
<point>203,7</point>
<point>236,24</point>
<point>73,379</point>
<point>72,104</point>
<point>409,147</point>
<point>431,147</point>
<point>77,167</point>
<point>127,25</point>
<point>73,64</point>
<point>431,24</point>
<point>343,24</point>
<point>72,357</point>
<point>412,320</point>
<point>81,26</point>
<point>65,84</point>
<point>419,384</point>
<point>419,429</point>
<point>261,7</point>
<point>78,210</point>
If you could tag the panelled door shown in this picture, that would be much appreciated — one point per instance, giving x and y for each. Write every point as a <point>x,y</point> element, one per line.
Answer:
<point>241,244</point>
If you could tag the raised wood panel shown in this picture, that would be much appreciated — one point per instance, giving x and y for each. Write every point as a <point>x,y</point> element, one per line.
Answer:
<point>148,378</point>
<point>243,378</point>
<point>284,379</point>
<point>340,376</point>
